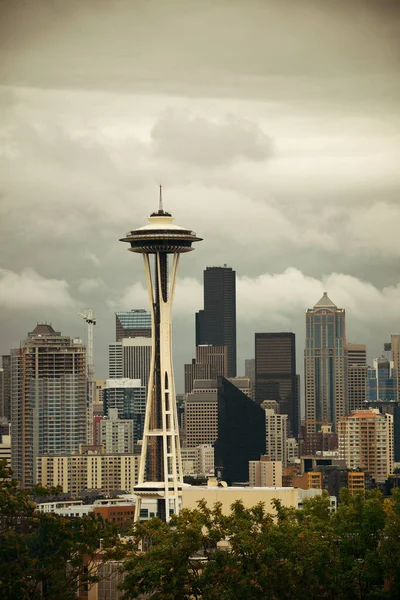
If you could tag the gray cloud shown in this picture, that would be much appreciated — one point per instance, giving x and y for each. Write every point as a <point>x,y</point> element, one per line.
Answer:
<point>105,100</point>
<point>204,142</point>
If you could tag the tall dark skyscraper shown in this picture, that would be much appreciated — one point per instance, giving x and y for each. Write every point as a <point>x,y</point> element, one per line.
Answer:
<point>275,374</point>
<point>216,324</point>
<point>241,432</point>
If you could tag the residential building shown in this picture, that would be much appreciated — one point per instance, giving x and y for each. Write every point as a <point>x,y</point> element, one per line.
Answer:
<point>265,473</point>
<point>275,374</point>
<point>133,323</point>
<point>366,442</point>
<point>128,396</point>
<point>356,482</point>
<point>241,432</point>
<point>90,469</point>
<point>48,399</point>
<point>357,373</point>
<point>117,435</point>
<point>311,480</point>
<point>325,365</point>
<point>276,436</point>
<point>216,324</point>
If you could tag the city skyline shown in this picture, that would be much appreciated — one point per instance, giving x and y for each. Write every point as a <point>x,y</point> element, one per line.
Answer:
<point>281,149</point>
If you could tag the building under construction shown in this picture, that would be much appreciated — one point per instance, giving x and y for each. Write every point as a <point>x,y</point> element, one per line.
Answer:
<point>48,399</point>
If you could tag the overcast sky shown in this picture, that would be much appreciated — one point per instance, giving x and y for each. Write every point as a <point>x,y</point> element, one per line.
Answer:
<point>273,125</point>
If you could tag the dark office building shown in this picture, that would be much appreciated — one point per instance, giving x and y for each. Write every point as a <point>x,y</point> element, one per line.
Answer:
<point>216,324</point>
<point>241,433</point>
<point>133,323</point>
<point>275,374</point>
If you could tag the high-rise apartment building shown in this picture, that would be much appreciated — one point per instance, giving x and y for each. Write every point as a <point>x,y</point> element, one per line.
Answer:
<point>275,374</point>
<point>210,362</point>
<point>133,323</point>
<point>382,381</point>
<point>276,436</point>
<point>216,324</point>
<point>48,399</point>
<point>357,372</point>
<point>366,442</point>
<point>116,434</point>
<point>325,365</point>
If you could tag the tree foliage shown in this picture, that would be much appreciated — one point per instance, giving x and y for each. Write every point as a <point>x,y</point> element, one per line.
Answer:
<point>45,556</point>
<point>293,554</point>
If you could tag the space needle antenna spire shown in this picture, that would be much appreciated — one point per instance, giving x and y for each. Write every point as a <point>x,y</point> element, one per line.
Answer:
<point>160,208</point>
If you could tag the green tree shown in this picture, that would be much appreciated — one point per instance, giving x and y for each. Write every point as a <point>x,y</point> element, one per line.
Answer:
<point>289,555</point>
<point>44,556</point>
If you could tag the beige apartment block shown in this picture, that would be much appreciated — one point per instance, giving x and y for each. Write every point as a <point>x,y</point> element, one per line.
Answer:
<point>89,470</point>
<point>366,442</point>
<point>265,473</point>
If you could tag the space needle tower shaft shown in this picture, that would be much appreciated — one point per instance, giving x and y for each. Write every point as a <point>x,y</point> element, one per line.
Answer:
<point>160,475</point>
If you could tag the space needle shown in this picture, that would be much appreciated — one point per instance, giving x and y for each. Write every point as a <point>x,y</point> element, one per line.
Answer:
<point>160,472</point>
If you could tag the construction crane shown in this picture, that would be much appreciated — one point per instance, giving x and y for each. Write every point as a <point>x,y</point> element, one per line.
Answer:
<point>91,321</point>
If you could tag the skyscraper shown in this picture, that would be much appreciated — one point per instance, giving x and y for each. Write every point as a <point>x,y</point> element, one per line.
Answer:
<point>130,358</point>
<point>241,432</point>
<point>133,323</point>
<point>357,371</point>
<point>216,324</point>
<point>325,364</point>
<point>48,399</point>
<point>395,347</point>
<point>210,363</point>
<point>382,381</point>
<point>164,480</point>
<point>275,374</point>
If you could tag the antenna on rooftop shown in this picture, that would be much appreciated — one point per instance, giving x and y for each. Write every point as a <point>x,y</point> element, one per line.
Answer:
<point>160,208</point>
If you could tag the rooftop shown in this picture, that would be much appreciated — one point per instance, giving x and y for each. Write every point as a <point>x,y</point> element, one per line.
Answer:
<point>325,301</point>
